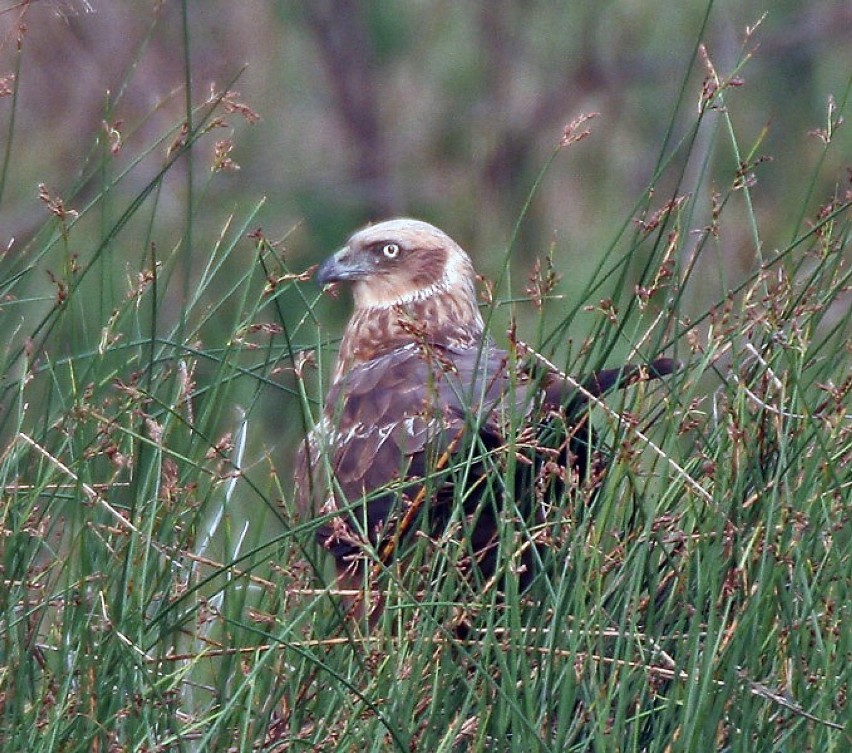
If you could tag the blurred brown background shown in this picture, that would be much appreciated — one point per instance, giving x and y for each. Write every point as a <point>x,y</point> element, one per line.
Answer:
<point>433,108</point>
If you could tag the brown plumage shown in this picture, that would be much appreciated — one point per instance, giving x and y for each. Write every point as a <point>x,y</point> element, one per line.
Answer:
<point>422,401</point>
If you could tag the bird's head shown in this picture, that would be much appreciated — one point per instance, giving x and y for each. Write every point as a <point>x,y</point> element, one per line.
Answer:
<point>411,283</point>
<point>398,262</point>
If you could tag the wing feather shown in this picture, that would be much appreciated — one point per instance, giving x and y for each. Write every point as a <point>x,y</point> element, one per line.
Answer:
<point>391,416</point>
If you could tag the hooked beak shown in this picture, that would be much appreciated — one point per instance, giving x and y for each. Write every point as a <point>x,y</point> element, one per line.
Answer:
<point>341,267</point>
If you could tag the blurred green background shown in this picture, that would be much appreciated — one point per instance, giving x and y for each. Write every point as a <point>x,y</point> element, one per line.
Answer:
<point>434,108</point>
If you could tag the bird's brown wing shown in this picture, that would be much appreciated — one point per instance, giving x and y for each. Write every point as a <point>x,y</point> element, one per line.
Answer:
<point>388,421</point>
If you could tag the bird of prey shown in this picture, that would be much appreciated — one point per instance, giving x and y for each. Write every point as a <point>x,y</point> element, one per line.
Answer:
<point>425,414</point>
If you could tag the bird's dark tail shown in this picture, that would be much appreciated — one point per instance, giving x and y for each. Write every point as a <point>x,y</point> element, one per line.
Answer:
<point>560,394</point>
<point>601,382</point>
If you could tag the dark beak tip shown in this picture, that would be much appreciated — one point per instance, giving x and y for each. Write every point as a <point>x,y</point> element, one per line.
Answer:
<point>342,267</point>
<point>326,273</point>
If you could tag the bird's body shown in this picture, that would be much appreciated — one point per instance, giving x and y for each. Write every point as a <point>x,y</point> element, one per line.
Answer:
<point>424,412</point>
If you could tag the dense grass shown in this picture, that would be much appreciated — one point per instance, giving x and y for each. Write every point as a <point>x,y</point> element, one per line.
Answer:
<point>159,592</point>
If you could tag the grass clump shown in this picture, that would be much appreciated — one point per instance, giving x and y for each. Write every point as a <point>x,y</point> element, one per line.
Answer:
<point>160,593</point>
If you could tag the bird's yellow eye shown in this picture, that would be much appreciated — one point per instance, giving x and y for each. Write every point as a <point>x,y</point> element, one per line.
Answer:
<point>391,250</point>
